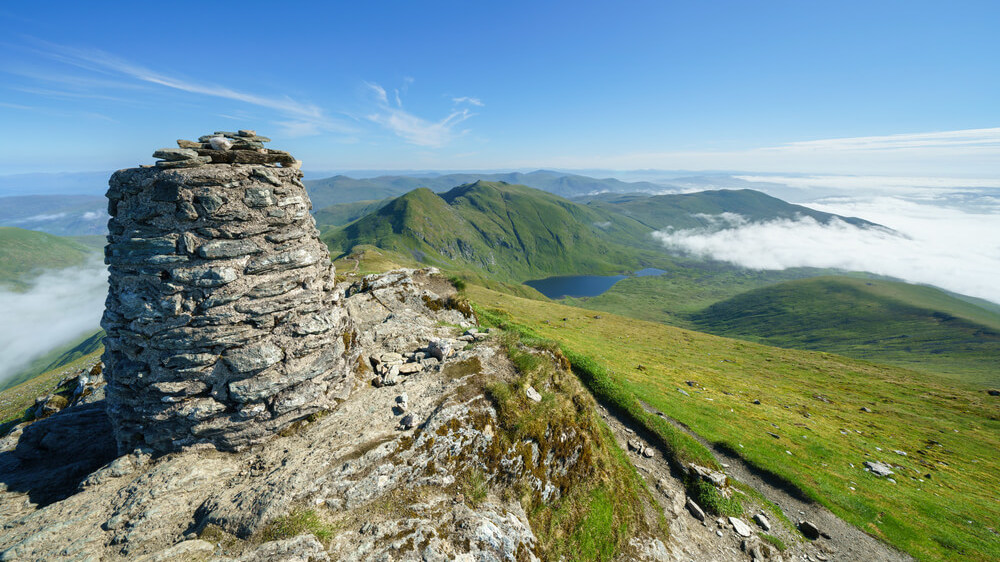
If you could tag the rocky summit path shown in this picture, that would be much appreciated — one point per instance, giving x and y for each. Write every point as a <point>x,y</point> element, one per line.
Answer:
<point>840,541</point>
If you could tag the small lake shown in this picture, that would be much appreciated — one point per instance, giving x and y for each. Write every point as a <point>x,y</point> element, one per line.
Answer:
<point>583,285</point>
<point>648,272</point>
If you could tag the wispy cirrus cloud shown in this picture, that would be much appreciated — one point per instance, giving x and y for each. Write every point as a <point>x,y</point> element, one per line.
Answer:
<point>299,117</point>
<point>965,151</point>
<point>57,113</point>
<point>413,129</point>
<point>964,139</point>
<point>471,101</point>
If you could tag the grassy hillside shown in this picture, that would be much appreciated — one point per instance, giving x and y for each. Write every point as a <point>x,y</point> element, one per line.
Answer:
<point>943,503</point>
<point>689,286</point>
<point>344,213</point>
<point>511,232</point>
<point>891,322</point>
<point>693,210</point>
<point>95,242</point>
<point>16,400</point>
<point>23,252</point>
<point>86,346</point>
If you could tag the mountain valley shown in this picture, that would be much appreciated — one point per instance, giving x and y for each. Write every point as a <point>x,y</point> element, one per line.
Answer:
<point>804,419</point>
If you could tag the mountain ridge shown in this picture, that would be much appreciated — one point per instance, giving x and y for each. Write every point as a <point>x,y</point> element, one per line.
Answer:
<point>918,327</point>
<point>508,230</point>
<point>702,209</point>
<point>345,189</point>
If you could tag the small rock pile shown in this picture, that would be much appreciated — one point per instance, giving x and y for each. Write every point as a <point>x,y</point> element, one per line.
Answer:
<point>222,323</point>
<point>640,448</point>
<point>389,366</point>
<point>223,147</point>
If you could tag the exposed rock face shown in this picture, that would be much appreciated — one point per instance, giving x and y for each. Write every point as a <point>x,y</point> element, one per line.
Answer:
<point>222,326</point>
<point>347,466</point>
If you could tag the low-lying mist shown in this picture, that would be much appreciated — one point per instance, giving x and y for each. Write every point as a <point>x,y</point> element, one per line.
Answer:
<point>59,307</point>
<point>933,243</point>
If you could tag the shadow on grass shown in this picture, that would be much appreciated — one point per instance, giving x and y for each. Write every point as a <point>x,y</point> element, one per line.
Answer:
<point>770,478</point>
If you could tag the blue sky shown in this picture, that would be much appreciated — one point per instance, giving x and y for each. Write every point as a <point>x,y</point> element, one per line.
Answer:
<point>799,86</point>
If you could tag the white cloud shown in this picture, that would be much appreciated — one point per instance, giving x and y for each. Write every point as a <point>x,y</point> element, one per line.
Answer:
<point>99,61</point>
<point>91,215</point>
<point>946,247</point>
<point>722,219</point>
<point>471,101</point>
<point>941,153</point>
<point>42,217</point>
<point>299,128</point>
<point>413,129</point>
<point>379,92</point>
<point>59,307</point>
<point>900,184</point>
<point>16,106</point>
<point>965,139</point>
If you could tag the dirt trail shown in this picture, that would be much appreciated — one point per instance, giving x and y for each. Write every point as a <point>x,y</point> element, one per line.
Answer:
<point>693,540</point>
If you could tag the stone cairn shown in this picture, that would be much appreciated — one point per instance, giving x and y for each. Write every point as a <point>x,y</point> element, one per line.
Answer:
<point>222,324</point>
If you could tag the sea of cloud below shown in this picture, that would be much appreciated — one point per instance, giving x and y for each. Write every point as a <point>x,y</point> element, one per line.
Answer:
<point>938,240</point>
<point>59,307</point>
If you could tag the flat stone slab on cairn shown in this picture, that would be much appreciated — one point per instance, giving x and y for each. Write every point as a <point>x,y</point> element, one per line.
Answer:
<point>222,325</point>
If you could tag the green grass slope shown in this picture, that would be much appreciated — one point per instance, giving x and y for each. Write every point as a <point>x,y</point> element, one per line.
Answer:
<point>943,505</point>
<point>689,286</point>
<point>86,346</point>
<point>512,232</point>
<point>17,401</point>
<point>694,210</point>
<point>913,326</point>
<point>23,252</point>
<point>345,213</point>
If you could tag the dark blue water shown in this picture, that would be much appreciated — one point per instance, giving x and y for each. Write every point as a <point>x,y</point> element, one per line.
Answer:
<point>583,285</point>
<point>648,272</point>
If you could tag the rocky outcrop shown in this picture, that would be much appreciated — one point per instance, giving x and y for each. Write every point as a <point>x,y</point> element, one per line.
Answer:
<point>376,489</point>
<point>222,325</point>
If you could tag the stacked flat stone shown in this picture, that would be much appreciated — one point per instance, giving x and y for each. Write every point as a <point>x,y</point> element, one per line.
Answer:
<point>222,323</point>
<point>223,147</point>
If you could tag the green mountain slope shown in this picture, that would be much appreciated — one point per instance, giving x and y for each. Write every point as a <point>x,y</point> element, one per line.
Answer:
<point>512,232</point>
<point>688,287</point>
<point>918,327</point>
<point>88,345</point>
<point>344,189</point>
<point>798,415</point>
<point>23,252</point>
<point>702,209</point>
<point>344,213</point>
